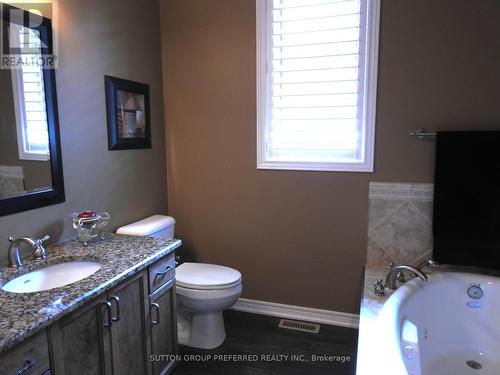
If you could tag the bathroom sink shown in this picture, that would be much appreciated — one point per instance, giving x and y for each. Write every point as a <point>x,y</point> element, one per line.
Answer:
<point>51,277</point>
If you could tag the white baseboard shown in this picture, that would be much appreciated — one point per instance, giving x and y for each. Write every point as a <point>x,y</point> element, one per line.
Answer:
<point>307,314</point>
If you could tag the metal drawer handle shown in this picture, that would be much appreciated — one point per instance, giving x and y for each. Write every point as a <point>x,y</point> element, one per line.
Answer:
<point>26,367</point>
<point>109,313</point>
<point>162,273</point>
<point>117,302</point>
<point>157,308</point>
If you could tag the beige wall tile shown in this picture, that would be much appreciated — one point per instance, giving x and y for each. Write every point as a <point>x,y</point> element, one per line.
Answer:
<point>399,223</point>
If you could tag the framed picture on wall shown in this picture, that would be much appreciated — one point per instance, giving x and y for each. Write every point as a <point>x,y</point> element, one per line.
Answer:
<point>127,109</point>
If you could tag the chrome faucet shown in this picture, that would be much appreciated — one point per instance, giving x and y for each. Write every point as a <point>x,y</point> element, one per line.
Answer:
<point>427,263</point>
<point>390,280</point>
<point>39,251</point>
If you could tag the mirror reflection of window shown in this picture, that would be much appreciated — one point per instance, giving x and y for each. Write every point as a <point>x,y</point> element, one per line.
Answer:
<point>24,141</point>
<point>29,97</point>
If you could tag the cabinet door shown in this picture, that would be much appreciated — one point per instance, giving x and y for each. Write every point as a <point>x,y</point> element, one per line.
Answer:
<point>128,332</point>
<point>80,342</point>
<point>31,357</point>
<point>163,328</point>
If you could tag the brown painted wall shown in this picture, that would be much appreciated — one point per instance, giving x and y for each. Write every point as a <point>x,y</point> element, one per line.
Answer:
<point>300,237</point>
<point>119,38</point>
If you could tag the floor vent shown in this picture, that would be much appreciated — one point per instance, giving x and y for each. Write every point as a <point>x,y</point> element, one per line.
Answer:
<point>299,326</point>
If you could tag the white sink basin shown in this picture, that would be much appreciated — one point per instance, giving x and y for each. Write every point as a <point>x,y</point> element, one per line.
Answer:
<point>52,277</point>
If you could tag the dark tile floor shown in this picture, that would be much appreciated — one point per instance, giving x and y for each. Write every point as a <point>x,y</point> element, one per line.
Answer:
<point>259,337</point>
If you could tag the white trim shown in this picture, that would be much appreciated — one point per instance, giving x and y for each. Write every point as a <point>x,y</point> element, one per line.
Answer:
<point>308,314</point>
<point>305,166</point>
<point>20,112</point>
<point>262,47</point>
<point>18,94</point>
<point>369,94</point>
<point>370,86</point>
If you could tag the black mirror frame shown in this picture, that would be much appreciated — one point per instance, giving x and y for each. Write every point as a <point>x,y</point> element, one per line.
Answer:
<point>56,195</point>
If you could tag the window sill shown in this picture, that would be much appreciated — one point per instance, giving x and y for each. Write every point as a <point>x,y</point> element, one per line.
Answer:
<point>319,167</point>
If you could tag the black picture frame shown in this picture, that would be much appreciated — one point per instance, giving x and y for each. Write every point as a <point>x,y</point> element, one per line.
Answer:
<point>128,114</point>
<point>55,195</point>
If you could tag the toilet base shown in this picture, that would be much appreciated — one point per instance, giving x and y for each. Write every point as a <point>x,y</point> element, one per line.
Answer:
<point>203,331</point>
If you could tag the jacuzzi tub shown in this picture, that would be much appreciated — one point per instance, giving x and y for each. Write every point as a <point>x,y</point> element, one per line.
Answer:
<point>436,328</point>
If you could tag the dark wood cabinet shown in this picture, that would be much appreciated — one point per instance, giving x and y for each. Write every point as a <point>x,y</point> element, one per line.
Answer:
<point>121,332</point>
<point>29,358</point>
<point>80,342</point>
<point>161,272</point>
<point>163,329</point>
<point>128,331</point>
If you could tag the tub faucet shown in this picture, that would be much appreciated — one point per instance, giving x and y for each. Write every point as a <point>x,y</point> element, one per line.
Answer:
<point>427,263</point>
<point>390,280</point>
<point>36,245</point>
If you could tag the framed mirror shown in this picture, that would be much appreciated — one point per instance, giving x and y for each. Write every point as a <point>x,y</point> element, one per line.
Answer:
<point>31,174</point>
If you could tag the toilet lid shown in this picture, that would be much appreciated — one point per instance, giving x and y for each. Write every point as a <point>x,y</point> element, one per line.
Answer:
<point>205,276</point>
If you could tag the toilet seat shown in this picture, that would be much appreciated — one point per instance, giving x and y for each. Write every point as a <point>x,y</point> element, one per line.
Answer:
<point>207,288</point>
<point>206,276</point>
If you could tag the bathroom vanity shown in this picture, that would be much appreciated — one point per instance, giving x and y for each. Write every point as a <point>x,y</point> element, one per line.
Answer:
<point>120,320</point>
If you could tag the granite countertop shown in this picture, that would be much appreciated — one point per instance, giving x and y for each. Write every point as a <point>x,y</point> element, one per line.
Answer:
<point>23,314</point>
<point>371,304</point>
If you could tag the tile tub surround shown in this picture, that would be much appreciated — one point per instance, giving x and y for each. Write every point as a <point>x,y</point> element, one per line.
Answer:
<point>399,223</point>
<point>23,314</point>
<point>11,181</point>
<point>371,304</point>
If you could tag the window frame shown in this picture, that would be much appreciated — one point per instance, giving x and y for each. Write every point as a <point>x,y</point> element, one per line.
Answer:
<point>369,92</point>
<point>20,109</point>
<point>21,125</point>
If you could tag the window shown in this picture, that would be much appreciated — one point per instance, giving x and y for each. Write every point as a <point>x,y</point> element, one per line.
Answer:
<point>29,98</point>
<point>316,84</point>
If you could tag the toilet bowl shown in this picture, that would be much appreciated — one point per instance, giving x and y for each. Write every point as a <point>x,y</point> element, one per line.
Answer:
<point>203,290</point>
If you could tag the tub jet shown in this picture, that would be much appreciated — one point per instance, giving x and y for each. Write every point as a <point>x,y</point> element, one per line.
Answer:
<point>474,365</point>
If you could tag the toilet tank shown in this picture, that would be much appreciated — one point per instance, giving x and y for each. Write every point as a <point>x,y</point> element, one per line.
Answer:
<point>154,226</point>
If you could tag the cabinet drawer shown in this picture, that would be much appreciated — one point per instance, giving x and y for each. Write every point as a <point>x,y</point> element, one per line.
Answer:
<point>161,271</point>
<point>28,358</point>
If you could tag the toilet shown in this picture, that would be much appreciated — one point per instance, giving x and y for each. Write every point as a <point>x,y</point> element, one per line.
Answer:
<point>203,290</point>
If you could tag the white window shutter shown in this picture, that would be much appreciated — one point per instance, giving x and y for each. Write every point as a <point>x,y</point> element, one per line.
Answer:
<point>29,97</point>
<point>316,97</point>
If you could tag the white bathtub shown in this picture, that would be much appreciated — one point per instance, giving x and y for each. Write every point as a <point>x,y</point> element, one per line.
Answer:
<point>435,328</point>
